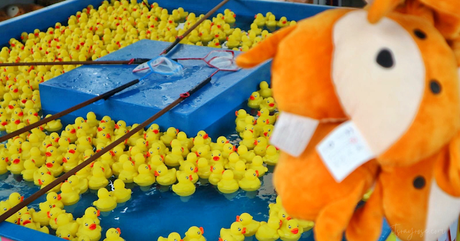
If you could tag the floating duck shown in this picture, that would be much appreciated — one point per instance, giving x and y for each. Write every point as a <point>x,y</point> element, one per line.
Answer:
<point>128,172</point>
<point>239,170</point>
<point>69,195</point>
<point>254,100</point>
<point>265,90</point>
<point>216,174</point>
<point>185,186</point>
<point>27,173</point>
<point>198,142</point>
<point>98,179</point>
<point>267,130</point>
<point>174,236</point>
<point>105,203</point>
<point>228,184</point>
<point>54,166</point>
<point>268,231</point>
<point>14,199</point>
<point>249,223</point>
<point>257,165</point>
<point>121,193</point>
<point>145,177</point>
<point>27,221</point>
<point>261,144</point>
<point>271,23</point>
<point>291,231</point>
<point>204,169</point>
<point>271,156</point>
<point>282,22</point>
<point>194,233</point>
<point>53,200</point>
<point>248,140</point>
<point>189,169</point>
<point>268,103</point>
<point>64,234</point>
<point>89,228</point>
<point>186,142</point>
<point>221,141</point>
<point>155,161</point>
<point>17,164</point>
<point>207,140</point>
<point>54,213</point>
<point>78,184</point>
<point>245,154</point>
<point>90,213</point>
<point>174,158</point>
<point>64,222</point>
<point>259,20</point>
<point>169,135</point>
<point>250,181</point>
<point>235,232</point>
<point>232,159</point>
<point>113,234</point>
<point>165,176</point>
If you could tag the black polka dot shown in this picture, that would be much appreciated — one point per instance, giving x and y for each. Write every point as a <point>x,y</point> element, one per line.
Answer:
<point>420,34</point>
<point>419,182</point>
<point>435,87</point>
<point>385,58</point>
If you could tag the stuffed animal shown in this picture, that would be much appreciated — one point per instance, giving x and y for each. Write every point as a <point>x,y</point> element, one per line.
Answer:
<point>15,10</point>
<point>396,80</point>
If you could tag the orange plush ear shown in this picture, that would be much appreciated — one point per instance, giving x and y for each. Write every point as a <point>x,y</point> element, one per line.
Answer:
<point>301,67</point>
<point>380,8</point>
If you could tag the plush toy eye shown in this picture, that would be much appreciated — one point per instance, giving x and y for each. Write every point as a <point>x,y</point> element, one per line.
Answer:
<point>385,58</point>
<point>419,34</point>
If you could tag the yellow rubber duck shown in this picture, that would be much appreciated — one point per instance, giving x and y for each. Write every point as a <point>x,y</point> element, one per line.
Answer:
<point>54,166</point>
<point>174,158</point>
<point>174,236</point>
<point>254,29</point>
<point>271,156</point>
<point>268,231</point>
<point>254,100</point>
<point>165,176</point>
<point>14,199</point>
<point>207,140</point>
<point>90,213</point>
<point>265,113</point>
<point>257,165</point>
<point>65,223</point>
<point>198,142</point>
<point>54,213</point>
<point>245,154</point>
<point>240,115</point>
<point>190,170</point>
<point>229,17</point>
<point>121,193</point>
<point>233,158</point>
<point>259,20</point>
<point>113,234</point>
<point>249,223</point>
<point>128,173</point>
<point>220,142</point>
<point>228,184</point>
<point>204,169</point>
<point>265,90</point>
<point>194,233</point>
<point>186,142</point>
<point>235,232</point>
<point>261,144</point>
<point>155,161</point>
<point>17,164</point>
<point>291,231</point>
<point>27,173</point>
<point>184,187</point>
<point>145,178</point>
<point>105,203</point>
<point>27,221</point>
<point>268,103</point>
<point>250,181</point>
<point>64,234</point>
<point>239,170</point>
<point>89,228</point>
<point>80,184</point>
<point>248,140</point>
<point>169,135</point>
<point>216,173</point>
<point>282,22</point>
<point>69,196</point>
<point>97,179</point>
<point>41,216</point>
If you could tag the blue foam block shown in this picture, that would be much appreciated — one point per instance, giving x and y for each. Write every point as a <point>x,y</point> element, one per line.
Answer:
<point>226,92</point>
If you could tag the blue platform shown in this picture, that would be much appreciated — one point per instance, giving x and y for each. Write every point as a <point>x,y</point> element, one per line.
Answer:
<point>226,92</point>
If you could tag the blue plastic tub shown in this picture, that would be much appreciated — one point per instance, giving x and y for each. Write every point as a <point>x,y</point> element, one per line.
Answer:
<point>154,212</point>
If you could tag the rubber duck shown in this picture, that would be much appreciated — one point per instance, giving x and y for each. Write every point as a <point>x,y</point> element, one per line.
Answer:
<point>69,195</point>
<point>54,200</point>
<point>194,233</point>
<point>54,213</point>
<point>250,181</point>
<point>235,232</point>
<point>184,187</point>
<point>291,231</point>
<point>268,231</point>
<point>54,166</point>
<point>227,183</point>
<point>189,169</point>
<point>268,103</point>
<point>240,115</point>
<point>165,176</point>
<point>14,199</point>
<point>220,142</point>
<point>90,229</point>
<point>121,193</point>
<point>227,149</point>
<point>128,172</point>
<point>207,140</point>
<point>261,144</point>
<point>194,36</point>
<point>27,173</point>
<point>255,29</point>
<point>113,234</point>
<point>78,184</point>
<point>282,22</point>
<point>216,173</point>
<point>198,142</point>
<point>27,221</point>
<point>254,100</point>
<point>90,213</point>
<point>64,222</point>
<point>249,223</point>
<point>64,234</point>
<point>264,90</point>
<point>145,177</point>
<point>271,156</point>
<point>69,162</point>
<point>169,135</point>
<point>245,154</point>
<point>160,147</point>
<point>204,169</point>
<point>174,236</point>
<point>248,140</point>
<point>174,158</point>
<point>259,20</point>
<point>105,203</point>
<point>54,125</point>
<point>239,170</point>
<point>232,159</point>
<point>91,119</point>
<point>138,159</point>
<point>97,179</point>
<point>17,164</point>
<point>257,165</point>
<point>155,161</point>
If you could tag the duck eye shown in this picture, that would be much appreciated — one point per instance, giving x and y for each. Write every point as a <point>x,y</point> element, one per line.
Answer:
<point>289,226</point>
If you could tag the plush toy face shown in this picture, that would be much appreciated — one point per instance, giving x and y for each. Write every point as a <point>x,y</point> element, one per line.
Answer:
<point>397,80</point>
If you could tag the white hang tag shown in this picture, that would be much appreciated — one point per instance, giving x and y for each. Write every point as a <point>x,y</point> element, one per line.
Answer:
<point>344,150</point>
<point>293,132</point>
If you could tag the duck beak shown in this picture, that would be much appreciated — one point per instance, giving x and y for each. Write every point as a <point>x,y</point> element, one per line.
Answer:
<point>92,226</point>
<point>244,230</point>
<point>295,230</point>
<point>26,222</point>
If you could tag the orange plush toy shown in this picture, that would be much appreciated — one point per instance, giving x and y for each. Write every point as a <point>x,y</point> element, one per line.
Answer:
<point>396,80</point>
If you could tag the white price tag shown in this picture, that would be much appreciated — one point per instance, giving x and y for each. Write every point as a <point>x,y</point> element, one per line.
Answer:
<point>344,150</point>
<point>293,132</point>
